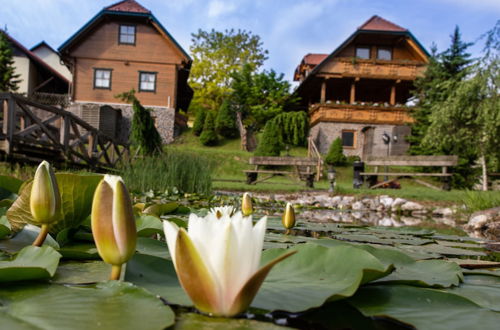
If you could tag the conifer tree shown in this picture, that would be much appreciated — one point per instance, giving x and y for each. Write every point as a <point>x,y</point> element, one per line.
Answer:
<point>271,142</point>
<point>199,121</point>
<point>335,155</point>
<point>226,121</point>
<point>8,79</point>
<point>209,137</point>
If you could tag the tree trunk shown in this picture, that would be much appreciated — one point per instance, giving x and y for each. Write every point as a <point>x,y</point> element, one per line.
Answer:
<point>484,169</point>
<point>248,142</point>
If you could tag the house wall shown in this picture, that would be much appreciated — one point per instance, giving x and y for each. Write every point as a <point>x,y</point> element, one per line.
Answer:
<point>151,52</point>
<point>400,50</point>
<point>53,59</point>
<point>22,65</point>
<point>325,132</point>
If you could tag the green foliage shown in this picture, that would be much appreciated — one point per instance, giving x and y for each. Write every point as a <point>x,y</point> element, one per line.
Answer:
<point>215,54</point>
<point>186,171</point>
<point>294,127</point>
<point>261,96</point>
<point>209,137</point>
<point>8,79</point>
<point>480,200</point>
<point>143,132</point>
<point>226,121</point>
<point>335,155</point>
<point>199,121</point>
<point>271,142</point>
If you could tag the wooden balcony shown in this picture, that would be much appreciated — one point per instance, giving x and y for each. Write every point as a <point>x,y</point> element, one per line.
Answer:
<point>377,69</point>
<point>359,113</point>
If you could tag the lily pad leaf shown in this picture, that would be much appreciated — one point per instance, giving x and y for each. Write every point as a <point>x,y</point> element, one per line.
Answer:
<point>192,321</point>
<point>148,225</point>
<point>423,308</point>
<point>308,279</point>
<point>109,305</point>
<point>31,263</point>
<point>161,209</point>
<point>10,184</point>
<point>77,191</point>
<point>24,238</point>
<point>152,247</point>
<point>5,228</point>
<point>79,251</point>
<point>81,272</point>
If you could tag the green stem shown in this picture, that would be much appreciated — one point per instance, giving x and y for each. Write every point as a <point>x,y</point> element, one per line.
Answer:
<point>116,271</point>
<point>44,230</point>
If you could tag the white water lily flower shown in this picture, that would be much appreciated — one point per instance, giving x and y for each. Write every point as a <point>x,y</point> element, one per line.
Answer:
<point>221,211</point>
<point>217,261</point>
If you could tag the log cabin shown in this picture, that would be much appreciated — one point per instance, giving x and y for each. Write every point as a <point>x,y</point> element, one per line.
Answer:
<point>360,91</point>
<point>125,47</point>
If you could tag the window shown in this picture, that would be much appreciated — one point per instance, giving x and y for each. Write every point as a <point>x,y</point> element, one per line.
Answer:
<point>348,139</point>
<point>127,34</point>
<point>384,53</point>
<point>147,81</point>
<point>102,78</point>
<point>363,52</point>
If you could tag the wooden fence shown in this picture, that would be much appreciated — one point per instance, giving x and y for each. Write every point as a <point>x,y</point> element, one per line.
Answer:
<point>32,131</point>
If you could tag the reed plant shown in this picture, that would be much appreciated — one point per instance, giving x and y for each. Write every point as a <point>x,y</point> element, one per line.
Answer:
<point>185,171</point>
<point>480,200</point>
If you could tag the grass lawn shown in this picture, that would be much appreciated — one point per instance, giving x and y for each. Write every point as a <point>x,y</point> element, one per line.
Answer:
<point>230,161</point>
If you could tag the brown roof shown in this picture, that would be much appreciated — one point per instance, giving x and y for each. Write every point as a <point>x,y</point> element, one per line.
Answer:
<point>377,23</point>
<point>130,6</point>
<point>314,59</point>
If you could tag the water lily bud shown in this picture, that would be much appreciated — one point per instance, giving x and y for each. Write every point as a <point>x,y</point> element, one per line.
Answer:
<point>246,205</point>
<point>113,223</point>
<point>288,218</point>
<point>45,200</point>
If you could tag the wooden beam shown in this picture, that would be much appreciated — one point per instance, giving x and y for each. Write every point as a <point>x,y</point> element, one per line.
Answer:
<point>393,95</point>
<point>323,91</point>
<point>352,98</point>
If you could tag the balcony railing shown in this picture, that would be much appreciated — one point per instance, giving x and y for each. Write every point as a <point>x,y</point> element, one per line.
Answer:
<point>372,113</point>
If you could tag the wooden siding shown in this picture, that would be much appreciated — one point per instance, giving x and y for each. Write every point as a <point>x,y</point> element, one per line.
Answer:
<point>359,114</point>
<point>400,51</point>
<point>124,77</point>
<point>150,45</point>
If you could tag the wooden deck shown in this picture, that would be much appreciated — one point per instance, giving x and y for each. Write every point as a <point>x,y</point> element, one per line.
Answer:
<point>33,132</point>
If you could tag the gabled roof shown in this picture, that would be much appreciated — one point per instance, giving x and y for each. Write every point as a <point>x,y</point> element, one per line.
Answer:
<point>34,57</point>
<point>42,44</point>
<point>314,59</point>
<point>126,8</point>
<point>130,6</point>
<point>377,23</point>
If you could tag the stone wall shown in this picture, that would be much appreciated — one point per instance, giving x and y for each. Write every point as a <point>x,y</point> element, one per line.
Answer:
<point>324,133</point>
<point>100,119</point>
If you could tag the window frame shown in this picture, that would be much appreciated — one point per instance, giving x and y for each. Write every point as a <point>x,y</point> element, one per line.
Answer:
<point>120,34</point>
<point>385,48</point>
<point>353,146</point>
<point>110,78</point>
<point>363,47</point>
<point>154,85</point>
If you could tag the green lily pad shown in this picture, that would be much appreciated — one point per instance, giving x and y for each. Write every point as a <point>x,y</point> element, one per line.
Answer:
<point>109,305</point>
<point>5,228</point>
<point>192,321</point>
<point>10,184</point>
<point>152,247</point>
<point>148,225</point>
<point>306,280</point>
<point>423,308</point>
<point>161,209</point>
<point>77,191</point>
<point>487,296</point>
<point>79,251</point>
<point>24,238</point>
<point>31,263</point>
<point>71,272</point>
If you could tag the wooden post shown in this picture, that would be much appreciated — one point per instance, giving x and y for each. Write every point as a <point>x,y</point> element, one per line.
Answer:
<point>393,95</point>
<point>90,149</point>
<point>353,92</point>
<point>323,91</point>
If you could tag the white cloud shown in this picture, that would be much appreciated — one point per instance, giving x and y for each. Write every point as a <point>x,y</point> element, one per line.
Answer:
<point>218,8</point>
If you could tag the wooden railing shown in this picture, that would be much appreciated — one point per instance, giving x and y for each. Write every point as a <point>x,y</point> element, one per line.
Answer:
<point>313,152</point>
<point>32,131</point>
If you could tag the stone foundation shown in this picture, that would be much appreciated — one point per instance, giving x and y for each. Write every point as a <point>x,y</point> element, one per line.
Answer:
<point>367,141</point>
<point>118,124</point>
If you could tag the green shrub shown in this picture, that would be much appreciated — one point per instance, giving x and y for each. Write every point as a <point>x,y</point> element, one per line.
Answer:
<point>209,137</point>
<point>226,121</point>
<point>186,171</point>
<point>480,200</point>
<point>335,155</point>
<point>271,142</point>
<point>199,121</point>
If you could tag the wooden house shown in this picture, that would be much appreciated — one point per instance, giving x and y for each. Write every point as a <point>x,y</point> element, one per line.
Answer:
<point>360,91</point>
<point>50,56</point>
<point>37,76</point>
<point>125,47</point>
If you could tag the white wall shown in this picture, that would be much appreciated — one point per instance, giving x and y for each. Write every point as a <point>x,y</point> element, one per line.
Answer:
<point>52,59</point>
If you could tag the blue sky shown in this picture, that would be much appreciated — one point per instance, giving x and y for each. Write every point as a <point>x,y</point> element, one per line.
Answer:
<point>289,28</point>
